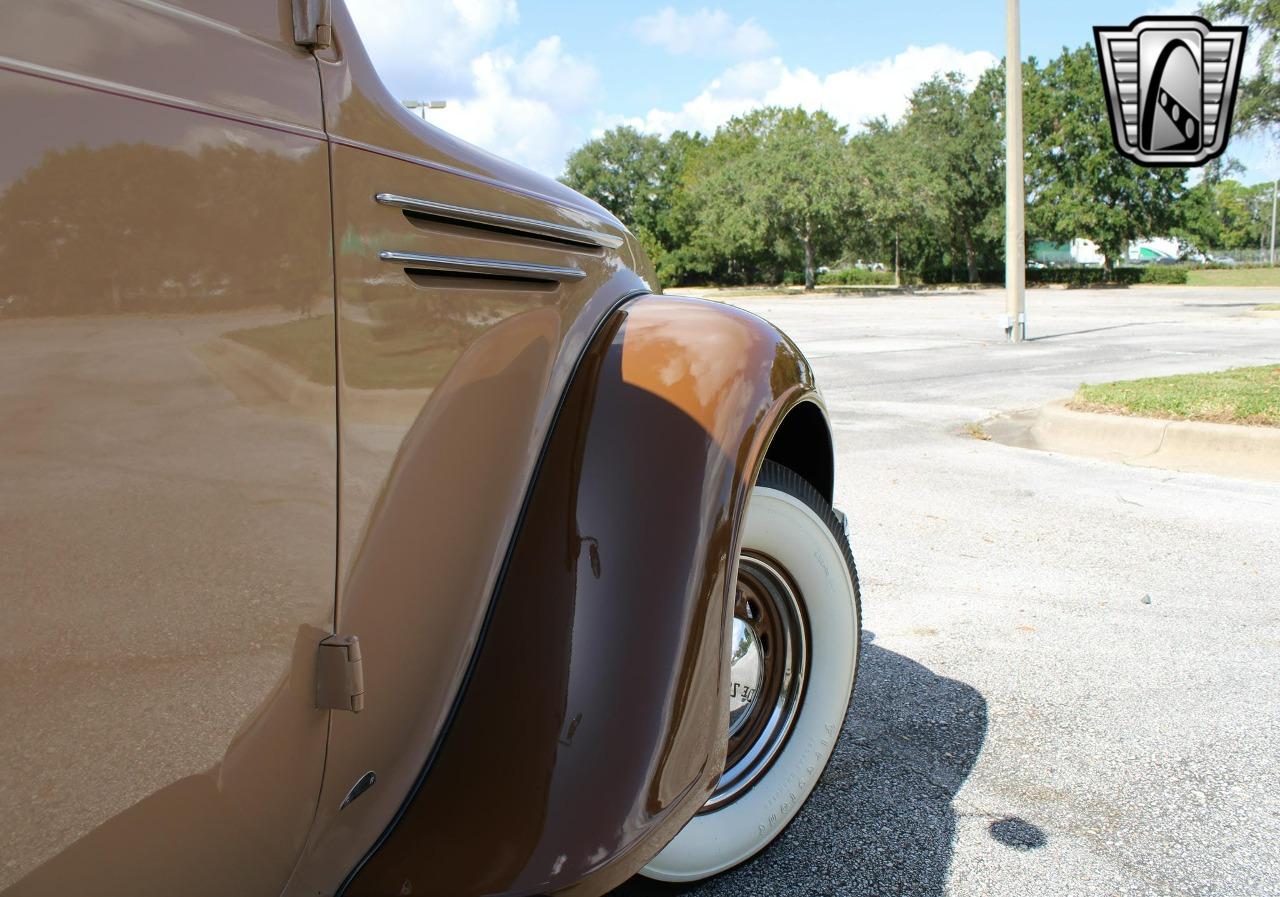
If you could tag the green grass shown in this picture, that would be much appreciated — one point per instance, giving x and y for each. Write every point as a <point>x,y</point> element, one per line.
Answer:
<point>372,357</point>
<point>1238,396</point>
<point>1234,277</point>
<point>1269,307</point>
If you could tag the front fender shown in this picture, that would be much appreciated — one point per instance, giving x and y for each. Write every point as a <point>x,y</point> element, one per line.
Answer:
<point>592,726</point>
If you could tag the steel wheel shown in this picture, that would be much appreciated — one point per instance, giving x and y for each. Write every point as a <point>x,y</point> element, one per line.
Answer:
<point>793,657</point>
<point>767,669</point>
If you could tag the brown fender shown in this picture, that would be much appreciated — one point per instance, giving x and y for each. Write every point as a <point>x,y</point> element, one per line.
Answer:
<point>592,725</point>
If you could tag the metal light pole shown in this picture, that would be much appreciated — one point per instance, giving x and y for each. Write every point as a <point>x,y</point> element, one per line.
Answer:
<point>1015,264</point>
<point>424,105</point>
<point>1274,188</point>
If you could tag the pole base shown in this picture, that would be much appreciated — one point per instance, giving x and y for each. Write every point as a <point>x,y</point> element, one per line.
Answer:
<point>1014,332</point>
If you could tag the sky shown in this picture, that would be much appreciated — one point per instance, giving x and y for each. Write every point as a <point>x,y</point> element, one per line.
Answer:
<point>532,80</point>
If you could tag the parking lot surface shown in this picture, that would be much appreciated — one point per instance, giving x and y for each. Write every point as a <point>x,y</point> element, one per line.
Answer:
<point>1070,680</point>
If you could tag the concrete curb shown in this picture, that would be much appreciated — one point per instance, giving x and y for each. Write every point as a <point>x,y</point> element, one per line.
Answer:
<point>1226,449</point>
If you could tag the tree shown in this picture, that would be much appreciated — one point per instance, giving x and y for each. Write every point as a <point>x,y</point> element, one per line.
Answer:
<point>639,178</point>
<point>730,242</point>
<point>621,170</point>
<point>1258,108</point>
<point>669,237</point>
<point>962,133</point>
<point>1201,206</point>
<point>1079,185</point>
<point>896,184</point>
<point>785,177</point>
<point>1222,213</point>
<point>1244,214</point>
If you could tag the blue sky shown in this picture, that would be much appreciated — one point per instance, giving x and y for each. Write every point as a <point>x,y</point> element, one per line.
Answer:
<point>533,79</point>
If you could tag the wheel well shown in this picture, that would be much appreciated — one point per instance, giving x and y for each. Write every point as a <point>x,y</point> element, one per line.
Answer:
<point>803,443</point>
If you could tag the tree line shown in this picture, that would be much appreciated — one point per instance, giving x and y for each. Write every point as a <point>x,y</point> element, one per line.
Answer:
<point>776,193</point>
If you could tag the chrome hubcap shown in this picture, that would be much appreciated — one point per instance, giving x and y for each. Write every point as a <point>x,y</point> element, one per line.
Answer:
<point>768,665</point>
<point>745,671</point>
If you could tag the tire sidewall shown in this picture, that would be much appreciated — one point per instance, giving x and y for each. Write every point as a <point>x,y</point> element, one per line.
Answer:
<point>781,527</point>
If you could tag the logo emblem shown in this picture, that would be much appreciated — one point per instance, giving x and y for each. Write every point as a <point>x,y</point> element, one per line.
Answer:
<point>1171,87</point>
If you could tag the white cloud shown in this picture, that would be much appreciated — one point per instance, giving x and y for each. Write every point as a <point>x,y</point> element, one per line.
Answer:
<point>851,95</point>
<point>521,108</point>
<point>551,74</point>
<point>517,106</point>
<point>528,105</point>
<point>421,47</point>
<point>707,32</point>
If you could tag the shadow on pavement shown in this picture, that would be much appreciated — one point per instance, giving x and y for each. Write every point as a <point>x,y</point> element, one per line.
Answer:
<point>1032,339</point>
<point>1221,304</point>
<point>881,820</point>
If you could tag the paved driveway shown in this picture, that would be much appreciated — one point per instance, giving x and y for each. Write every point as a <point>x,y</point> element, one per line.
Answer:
<point>1071,671</point>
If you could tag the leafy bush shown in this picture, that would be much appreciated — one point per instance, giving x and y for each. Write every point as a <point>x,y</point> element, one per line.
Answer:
<point>1084,277</point>
<point>1164,274</point>
<point>943,274</point>
<point>856,277</point>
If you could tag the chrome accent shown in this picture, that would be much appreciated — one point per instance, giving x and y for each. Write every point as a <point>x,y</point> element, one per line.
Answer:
<point>363,784</point>
<point>534,227</point>
<point>492,267</point>
<point>745,672</point>
<point>769,607</point>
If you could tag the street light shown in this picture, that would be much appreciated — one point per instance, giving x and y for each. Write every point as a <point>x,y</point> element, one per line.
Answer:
<point>424,105</point>
<point>1015,268</point>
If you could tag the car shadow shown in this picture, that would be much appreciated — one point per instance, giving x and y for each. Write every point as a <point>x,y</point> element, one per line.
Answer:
<point>881,820</point>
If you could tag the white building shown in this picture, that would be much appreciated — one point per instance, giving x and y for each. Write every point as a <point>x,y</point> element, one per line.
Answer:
<point>1150,249</point>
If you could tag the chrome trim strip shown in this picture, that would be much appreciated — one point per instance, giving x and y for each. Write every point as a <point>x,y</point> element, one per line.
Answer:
<point>493,267</point>
<point>532,226</point>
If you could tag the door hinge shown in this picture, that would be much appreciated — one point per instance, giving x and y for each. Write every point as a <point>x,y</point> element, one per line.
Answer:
<point>340,674</point>
<point>313,23</point>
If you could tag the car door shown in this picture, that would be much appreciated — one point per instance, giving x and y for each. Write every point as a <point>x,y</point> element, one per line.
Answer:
<point>168,453</point>
<point>467,287</point>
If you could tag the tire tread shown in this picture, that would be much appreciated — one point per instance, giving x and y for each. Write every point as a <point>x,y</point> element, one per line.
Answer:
<point>775,476</point>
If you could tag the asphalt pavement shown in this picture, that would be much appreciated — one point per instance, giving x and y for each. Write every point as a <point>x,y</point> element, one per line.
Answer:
<point>1070,681</point>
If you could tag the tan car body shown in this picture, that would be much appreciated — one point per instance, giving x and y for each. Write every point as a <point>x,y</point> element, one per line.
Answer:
<point>230,426</point>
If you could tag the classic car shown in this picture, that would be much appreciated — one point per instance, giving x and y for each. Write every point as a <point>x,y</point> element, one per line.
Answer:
<point>369,524</point>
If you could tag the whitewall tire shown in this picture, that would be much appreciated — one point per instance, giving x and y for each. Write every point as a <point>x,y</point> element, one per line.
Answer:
<point>795,657</point>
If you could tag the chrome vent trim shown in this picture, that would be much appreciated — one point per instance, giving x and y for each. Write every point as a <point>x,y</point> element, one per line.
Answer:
<point>533,227</point>
<point>489,267</point>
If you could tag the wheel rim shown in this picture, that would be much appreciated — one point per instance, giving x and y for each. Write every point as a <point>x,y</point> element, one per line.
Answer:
<point>769,663</point>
